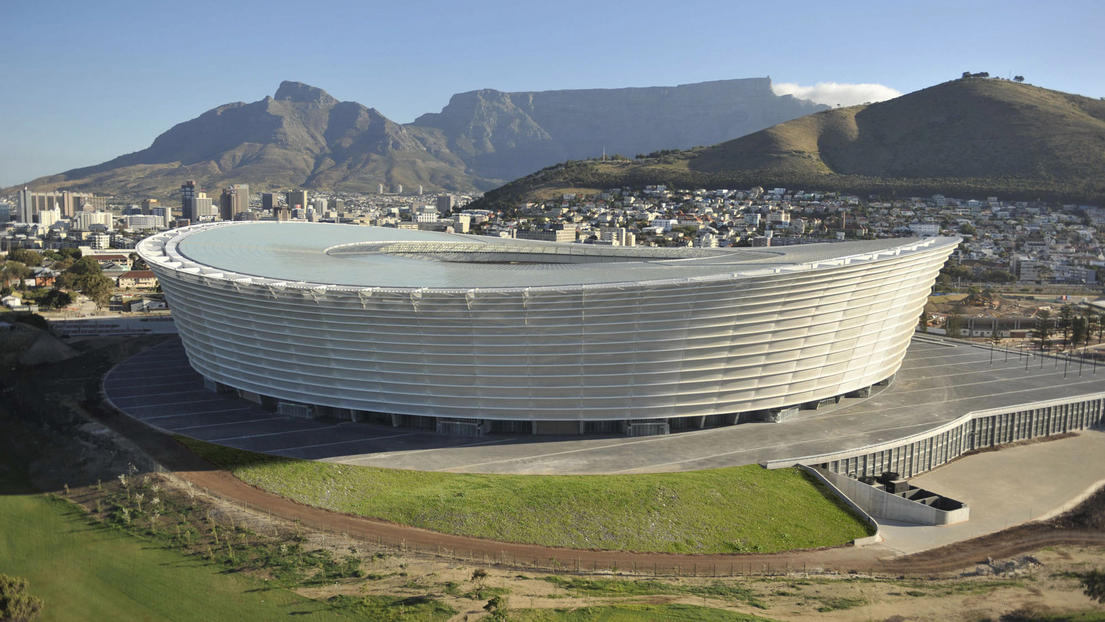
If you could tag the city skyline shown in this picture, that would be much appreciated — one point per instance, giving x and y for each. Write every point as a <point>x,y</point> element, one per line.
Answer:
<point>123,74</point>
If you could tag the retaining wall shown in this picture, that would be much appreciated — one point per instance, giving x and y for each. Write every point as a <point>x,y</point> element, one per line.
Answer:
<point>887,506</point>
<point>976,430</point>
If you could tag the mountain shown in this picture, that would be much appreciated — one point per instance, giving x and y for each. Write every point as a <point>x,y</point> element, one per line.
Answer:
<point>303,137</point>
<point>506,135</point>
<point>974,136</point>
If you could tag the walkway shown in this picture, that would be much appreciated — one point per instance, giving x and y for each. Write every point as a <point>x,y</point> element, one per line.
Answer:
<point>1007,487</point>
<point>937,383</point>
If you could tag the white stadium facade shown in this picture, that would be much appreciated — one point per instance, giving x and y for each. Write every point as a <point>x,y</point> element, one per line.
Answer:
<point>470,334</point>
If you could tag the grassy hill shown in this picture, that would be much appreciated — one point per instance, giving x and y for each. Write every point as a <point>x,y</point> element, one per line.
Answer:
<point>735,509</point>
<point>970,137</point>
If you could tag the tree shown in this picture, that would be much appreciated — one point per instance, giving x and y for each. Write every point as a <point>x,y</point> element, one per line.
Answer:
<point>997,276</point>
<point>25,256</point>
<point>1079,330</point>
<point>953,326</point>
<point>137,263</point>
<point>86,277</point>
<point>1018,78</point>
<point>1093,585</point>
<point>496,607</point>
<point>1066,321</point>
<point>56,298</point>
<point>14,271</point>
<point>16,604</point>
<point>1041,332</point>
<point>63,264</point>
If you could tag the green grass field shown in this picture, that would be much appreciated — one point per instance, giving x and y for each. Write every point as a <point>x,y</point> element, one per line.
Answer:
<point>85,571</point>
<point>736,509</point>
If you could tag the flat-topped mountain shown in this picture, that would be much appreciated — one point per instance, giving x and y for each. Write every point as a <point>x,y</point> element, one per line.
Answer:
<point>506,135</point>
<point>303,137</point>
<point>975,136</point>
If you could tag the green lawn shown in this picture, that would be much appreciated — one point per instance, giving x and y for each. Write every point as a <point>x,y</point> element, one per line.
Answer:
<point>89,572</point>
<point>736,509</point>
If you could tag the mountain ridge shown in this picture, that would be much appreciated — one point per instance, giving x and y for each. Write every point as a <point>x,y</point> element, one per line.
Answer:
<point>304,137</point>
<point>972,135</point>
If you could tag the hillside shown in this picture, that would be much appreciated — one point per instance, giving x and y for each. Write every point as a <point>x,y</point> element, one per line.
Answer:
<point>303,137</point>
<point>971,136</point>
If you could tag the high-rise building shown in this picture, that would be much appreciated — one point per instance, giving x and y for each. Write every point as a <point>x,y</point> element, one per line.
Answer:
<point>268,203</point>
<point>463,223</point>
<point>445,203</point>
<point>48,217</point>
<point>399,189</point>
<point>142,222</point>
<point>88,221</point>
<point>297,197</point>
<point>164,215</point>
<point>226,203</point>
<point>26,211</point>
<point>234,201</point>
<point>149,204</point>
<point>188,201</point>
<point>336,204</point>
<point>87,203</point>
<point>99,241</point>
<point>205,207</point>
<point>67,202</point>
<point>5,212</point>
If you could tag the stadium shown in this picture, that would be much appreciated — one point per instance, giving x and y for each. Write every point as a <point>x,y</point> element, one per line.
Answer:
<point>469,335</point>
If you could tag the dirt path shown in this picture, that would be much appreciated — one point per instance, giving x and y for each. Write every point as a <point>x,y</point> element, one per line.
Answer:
<point>221,483</point>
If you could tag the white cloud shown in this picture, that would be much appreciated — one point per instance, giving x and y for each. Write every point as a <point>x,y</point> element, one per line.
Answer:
<point>836,93</point>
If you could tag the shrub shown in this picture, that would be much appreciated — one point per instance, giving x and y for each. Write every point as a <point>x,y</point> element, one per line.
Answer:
<point>16,604</point>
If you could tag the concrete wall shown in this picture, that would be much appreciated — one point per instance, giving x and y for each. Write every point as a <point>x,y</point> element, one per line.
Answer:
<point>883,505</point>
<point>976,430</point>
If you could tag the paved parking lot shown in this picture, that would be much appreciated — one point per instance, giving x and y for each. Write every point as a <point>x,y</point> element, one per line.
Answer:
<point>937,383</point>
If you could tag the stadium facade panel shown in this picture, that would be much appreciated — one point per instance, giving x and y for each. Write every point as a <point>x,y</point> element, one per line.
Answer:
<point>439,325</point>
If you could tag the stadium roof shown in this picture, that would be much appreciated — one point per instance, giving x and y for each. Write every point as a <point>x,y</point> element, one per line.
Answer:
<point>357,256</point>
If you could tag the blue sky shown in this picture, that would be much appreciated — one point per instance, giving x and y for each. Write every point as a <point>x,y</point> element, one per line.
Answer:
<point>86,81</point>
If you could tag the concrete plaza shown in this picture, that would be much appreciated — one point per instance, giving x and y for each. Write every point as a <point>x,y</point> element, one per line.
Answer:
<point>938,382</point>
